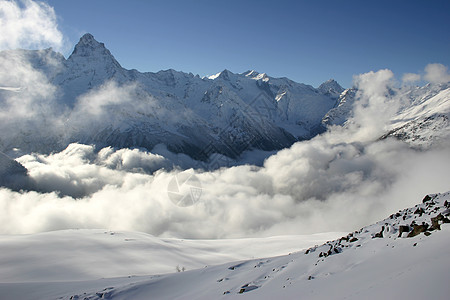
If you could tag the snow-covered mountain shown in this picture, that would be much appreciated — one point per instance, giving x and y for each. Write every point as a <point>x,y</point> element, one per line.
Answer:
<point>401,257</point>
<point>89,98</point>
<point>421,119</point>
<point>97,101</point>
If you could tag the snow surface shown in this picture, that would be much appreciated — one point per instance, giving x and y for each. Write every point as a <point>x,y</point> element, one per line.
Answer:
<point>375,262</point>
<point>88,254</point>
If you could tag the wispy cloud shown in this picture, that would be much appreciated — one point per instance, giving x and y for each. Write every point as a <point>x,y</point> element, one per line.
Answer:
<point>409,78</point>
<point>28,24</point>
<point>436,73</point>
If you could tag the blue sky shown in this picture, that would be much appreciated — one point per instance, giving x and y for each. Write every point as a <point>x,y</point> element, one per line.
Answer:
<point>307,41</point>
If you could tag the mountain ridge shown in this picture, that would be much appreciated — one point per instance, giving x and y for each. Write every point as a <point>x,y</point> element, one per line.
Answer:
<point>257,112</point>
<point>97,101</point>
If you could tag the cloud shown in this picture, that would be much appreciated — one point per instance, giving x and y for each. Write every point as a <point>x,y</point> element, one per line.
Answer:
<point>374,106</point>
<point>314,186</point>
<point>30,114</point>
<point>436,73</point>
<point>409,78</point>
<point>338,181</point>
<point>80,171</point>
<point>28,24</point>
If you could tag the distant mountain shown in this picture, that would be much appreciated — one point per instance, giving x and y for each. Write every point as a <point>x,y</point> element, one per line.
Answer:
<point>422,119</point>
<point>226,113</point>
<point>93,100</point>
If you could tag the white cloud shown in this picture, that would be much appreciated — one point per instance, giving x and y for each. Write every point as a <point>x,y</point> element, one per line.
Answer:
<point>409,78</point>
<point>324,184</point>
<point>30,113</point>
<point>374,106</point>
<point>436,73</point>
<point>338,181</point>
<point>28,24</point>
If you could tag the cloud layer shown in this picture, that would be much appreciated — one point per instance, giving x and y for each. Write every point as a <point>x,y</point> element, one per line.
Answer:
<point>28,24</point>
<point>338,181</point>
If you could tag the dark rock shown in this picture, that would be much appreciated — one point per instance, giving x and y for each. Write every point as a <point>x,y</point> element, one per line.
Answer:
<point>403,228</point>
<point>379,234</point>
<point>419,211</point>
<point>247,288</point>
<point>436,221</point>
<point>418,229</point>
<point>427,198</point>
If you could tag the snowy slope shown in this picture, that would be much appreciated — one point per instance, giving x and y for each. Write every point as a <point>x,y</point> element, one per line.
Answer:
<point>90,254</point>
<point>404,256</point>
<point>421,119</point>
<point>424,119</point>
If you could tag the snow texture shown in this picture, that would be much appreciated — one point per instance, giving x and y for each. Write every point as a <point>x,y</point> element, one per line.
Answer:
<point>403,256</point>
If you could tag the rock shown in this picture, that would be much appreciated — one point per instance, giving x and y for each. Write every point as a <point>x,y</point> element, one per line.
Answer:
<point>247,288</point>
<point>379,234</point>
<point>427,198</point>
<point>436,221</point>
<point>418,229</point>
<point>419,211</point>
<point>403,228</point>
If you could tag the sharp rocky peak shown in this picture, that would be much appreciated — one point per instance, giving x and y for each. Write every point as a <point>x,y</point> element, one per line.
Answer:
<point>331,88</point>
<point>88,46</point>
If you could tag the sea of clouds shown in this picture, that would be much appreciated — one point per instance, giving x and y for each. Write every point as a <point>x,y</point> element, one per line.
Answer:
<point>339,181</point>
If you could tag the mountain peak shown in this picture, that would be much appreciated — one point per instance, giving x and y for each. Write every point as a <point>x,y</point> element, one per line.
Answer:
<point>256,75</point>
<point>88,47</point>
<point>88,41</point>
<point>225,75</point>
<point>331,88</point>
<point>88,38</point>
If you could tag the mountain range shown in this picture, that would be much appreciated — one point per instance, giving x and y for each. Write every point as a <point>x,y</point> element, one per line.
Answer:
<point>225,113</point>
<point>93,100</point>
